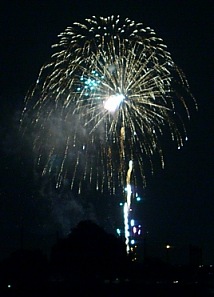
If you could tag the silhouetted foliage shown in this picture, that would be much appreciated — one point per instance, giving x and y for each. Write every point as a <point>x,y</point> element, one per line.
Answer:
<point>89,252</point>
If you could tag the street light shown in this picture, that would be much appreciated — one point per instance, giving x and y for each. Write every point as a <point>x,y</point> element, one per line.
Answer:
<point>168,247</point>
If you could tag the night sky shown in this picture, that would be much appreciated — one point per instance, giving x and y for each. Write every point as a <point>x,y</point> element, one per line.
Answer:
<point>178,205</point>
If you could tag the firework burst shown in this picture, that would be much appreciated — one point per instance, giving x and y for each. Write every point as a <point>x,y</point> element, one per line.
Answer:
<point>105,98</point>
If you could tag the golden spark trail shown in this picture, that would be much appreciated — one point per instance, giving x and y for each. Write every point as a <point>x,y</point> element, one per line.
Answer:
<point>128,184</point>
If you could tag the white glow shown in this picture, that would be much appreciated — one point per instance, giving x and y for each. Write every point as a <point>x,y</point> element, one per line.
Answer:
<point>129,193</point>
<point>112,102</point>
<point>129,190</point>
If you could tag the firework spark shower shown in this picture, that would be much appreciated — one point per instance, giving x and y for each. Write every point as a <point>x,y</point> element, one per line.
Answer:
<point>110,91</point>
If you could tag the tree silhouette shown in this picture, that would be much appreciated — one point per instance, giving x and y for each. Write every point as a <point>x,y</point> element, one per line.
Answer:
<point>89,253</point>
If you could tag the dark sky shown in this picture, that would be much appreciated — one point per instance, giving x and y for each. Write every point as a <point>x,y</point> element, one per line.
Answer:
<point>178,205</point>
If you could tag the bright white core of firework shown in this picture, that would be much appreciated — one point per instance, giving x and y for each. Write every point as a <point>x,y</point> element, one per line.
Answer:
<point>113,102</point>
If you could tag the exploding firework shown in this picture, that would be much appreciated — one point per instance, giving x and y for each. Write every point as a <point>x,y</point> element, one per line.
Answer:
<point>107,95</point>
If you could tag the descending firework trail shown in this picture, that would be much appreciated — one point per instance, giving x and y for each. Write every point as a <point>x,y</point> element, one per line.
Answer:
<point>127,204</point>
<point>105,98</point>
